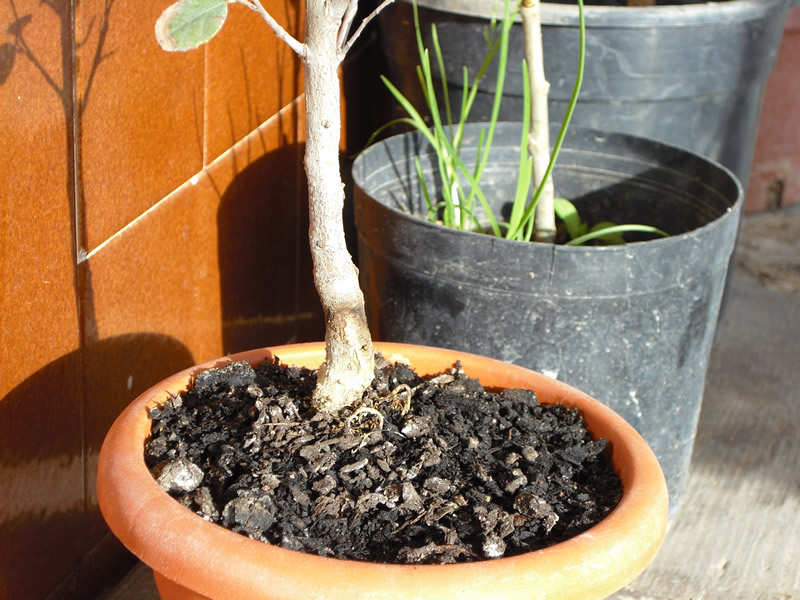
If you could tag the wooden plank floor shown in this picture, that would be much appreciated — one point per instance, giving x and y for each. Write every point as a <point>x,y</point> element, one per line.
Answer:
<point>737,536</point>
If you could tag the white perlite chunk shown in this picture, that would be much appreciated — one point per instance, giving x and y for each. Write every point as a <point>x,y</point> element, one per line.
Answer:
<point>493,546</point>
<point>180,475</point>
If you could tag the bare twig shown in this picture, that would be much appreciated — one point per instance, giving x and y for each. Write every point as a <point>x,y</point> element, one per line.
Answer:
<point>297,46</point>
<point>347,21</point>
<point>346,48</point>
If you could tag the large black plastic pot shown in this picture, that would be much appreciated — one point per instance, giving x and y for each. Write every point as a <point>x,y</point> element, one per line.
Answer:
<point>690,74</point>
<point>631,325</point>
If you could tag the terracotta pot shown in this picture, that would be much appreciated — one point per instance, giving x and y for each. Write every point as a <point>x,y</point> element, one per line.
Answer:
<point>195,559</point>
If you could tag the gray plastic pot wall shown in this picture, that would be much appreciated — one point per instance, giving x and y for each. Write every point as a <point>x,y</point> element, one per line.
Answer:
<point>691,75</point>
<point>631,325</point>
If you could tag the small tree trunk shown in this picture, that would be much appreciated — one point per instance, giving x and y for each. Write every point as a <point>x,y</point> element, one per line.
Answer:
<point>349,363</point>
<point>539,138</point>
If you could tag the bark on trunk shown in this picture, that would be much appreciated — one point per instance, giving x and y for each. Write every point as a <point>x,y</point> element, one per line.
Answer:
<point>539,138</point>
<point>349,364</point>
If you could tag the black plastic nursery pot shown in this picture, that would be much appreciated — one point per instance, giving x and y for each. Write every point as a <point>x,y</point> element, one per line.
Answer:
<point>690,74</point>
<point>631,325</point>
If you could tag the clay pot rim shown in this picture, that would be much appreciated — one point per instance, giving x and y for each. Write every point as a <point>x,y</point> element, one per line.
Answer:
<point>127,494</point>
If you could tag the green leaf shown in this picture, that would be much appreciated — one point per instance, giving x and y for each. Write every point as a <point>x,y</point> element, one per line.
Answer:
<point>188,24</point>
<point>607,232</point>
<point>566,211</point>
<point>612,239</point>
<point>425,193</point>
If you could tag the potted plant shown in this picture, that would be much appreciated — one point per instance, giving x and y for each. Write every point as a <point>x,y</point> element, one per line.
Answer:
<point>633,324</point>
<point>193,558</point>
<point>687,73</point>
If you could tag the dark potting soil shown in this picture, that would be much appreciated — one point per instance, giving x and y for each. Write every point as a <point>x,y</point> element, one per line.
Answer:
<point>424,471</point>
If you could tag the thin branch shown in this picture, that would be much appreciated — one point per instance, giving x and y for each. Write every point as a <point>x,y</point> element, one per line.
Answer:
<point>347,21</point>
<point>346,48</point>
<point>298,47</point>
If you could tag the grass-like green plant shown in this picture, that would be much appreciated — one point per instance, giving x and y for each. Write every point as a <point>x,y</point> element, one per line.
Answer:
<point>461,195</point>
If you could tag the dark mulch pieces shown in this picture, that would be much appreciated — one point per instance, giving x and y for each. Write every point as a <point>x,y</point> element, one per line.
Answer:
<point>421,472</point>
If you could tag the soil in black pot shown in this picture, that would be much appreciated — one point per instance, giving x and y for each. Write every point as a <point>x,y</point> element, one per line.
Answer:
<point>423,471</point>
